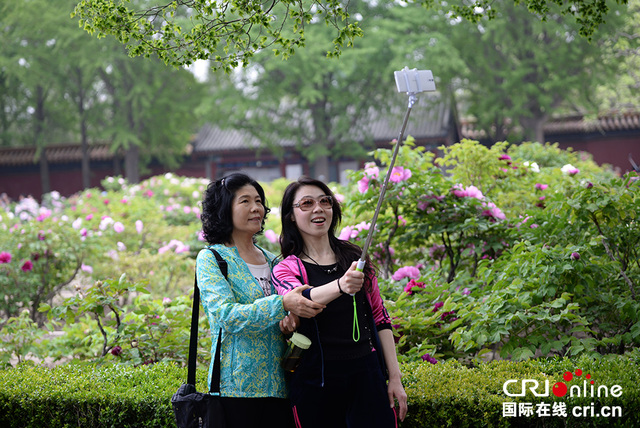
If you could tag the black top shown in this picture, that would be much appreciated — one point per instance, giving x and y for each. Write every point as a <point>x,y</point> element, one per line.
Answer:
<point>335,322</point>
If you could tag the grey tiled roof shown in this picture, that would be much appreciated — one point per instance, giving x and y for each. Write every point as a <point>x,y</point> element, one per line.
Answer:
<point>606,123</point>
<point>63,153</point>
<point>211,138</point>
<point>426,120</point>
<point>429,118</point>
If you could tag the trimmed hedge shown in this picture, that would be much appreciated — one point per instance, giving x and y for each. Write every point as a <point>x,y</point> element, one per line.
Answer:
<point>443,395</point>
<point>83,395</point>
<point>451,395</point>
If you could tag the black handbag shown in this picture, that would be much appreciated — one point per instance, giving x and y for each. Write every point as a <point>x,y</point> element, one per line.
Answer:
<point>195,409</point>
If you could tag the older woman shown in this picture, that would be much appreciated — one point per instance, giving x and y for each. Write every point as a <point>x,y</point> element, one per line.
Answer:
<point>244,307</point>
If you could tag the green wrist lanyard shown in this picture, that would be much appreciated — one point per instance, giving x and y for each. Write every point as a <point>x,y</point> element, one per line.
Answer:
<point>356,327</point>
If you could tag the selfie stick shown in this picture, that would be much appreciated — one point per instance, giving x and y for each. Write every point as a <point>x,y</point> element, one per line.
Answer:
<point>412,82</point>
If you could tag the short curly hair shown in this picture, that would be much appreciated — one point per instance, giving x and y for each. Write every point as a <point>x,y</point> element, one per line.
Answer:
<point>217,219</point>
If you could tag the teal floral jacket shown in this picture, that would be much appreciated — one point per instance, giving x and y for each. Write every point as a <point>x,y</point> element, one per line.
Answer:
<point>252,344</point>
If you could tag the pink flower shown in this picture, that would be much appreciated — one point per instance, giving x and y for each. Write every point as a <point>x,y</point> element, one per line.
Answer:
<point>148,193</point>
<point>411,285</point>
<point>437,306</point>
<point>83,232</point>
<point>541,186</point>
<point>27,266</point>
<point>575,256</point>
<point>139,226</point>
<point>271,236</point>
<point>5,257</point>
<point>44,215</point>
<point>469,192</point>
<point>346,233</point>
<point>116,350</point>
<point>406,272</point>
<point>371,170</point>
<point>466,291</point>
<point>493,211</point>
<point>118,227</point>
<point>339,197</point>
<point>86,268</point>
<point>505,157</point>
<point>399,174</point>
<point>474,192</point>
<point>569,169</point>
<point>89,217</point>
<point>106,202</point>
<point>166,301</point>
<point>363,185</point>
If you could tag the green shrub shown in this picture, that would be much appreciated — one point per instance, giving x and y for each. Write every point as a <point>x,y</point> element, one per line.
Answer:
<point>83,395</point>
<point>452,395</point>
<point>440,395</point>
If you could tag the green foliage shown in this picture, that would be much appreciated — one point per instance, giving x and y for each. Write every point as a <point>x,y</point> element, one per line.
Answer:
<point>229,33</point>
<point>443,394</point>
<point>232,32</point>
<point>450,394</point>
<point>501,252</point>
<point>19,336</point>
<point>89,395</point>
<point>519,70</point>
<point>511,246</point>
<point>46,254</point>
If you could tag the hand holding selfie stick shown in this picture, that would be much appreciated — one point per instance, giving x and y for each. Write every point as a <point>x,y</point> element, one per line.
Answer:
<point>412,82</point>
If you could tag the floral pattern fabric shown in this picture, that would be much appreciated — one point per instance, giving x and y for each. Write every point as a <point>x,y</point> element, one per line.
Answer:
<point>252,344</point>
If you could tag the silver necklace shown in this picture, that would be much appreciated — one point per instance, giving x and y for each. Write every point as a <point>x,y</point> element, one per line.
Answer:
<point>328,271</point>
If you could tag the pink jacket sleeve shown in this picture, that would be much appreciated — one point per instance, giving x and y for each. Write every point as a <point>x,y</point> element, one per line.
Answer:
<point>380,315</point>
<point>288,274</point>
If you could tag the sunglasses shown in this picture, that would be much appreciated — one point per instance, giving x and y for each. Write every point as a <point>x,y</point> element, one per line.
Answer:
<point>307,204</point>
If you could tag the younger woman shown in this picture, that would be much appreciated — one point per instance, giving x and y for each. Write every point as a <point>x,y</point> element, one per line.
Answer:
<point>342,379</point>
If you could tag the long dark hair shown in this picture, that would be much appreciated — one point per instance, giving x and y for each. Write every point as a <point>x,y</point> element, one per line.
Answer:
<point>217,219</point>
<point>291,242</point>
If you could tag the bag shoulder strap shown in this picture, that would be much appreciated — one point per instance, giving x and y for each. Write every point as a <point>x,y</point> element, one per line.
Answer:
<point>193,339</point>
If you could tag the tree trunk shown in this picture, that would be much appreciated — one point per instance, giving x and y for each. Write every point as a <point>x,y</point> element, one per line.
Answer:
<point>132,155</point>
<point>321,168</point>
<point>533,128</point>
<point>86,167</point>
<point>45,179</point>
<point>131,164</point>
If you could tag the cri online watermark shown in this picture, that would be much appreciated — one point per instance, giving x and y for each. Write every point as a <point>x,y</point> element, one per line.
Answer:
<point>586,389</point>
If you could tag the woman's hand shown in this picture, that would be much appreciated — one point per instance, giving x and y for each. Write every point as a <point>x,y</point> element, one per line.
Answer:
<point>351,282</point>
<point>396,391</point>
<point>295,302</point>
<point>289,324</point>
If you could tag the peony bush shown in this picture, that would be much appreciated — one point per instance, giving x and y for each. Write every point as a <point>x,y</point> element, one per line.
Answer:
<point>512,251</point>
<point>505,252</point>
